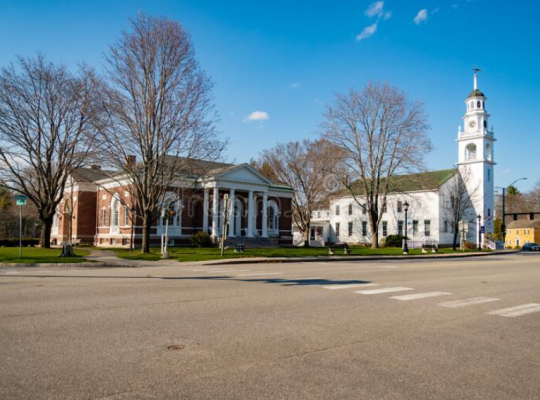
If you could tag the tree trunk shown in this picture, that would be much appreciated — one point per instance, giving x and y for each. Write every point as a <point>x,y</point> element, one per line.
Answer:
<point>46,227</point>
<point>306,234</point>
<point>374,230</point>
<point>454,244</point>
<point>147,229</point>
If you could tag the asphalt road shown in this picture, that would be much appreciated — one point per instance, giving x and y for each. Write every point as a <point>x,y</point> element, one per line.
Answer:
<point>432,329</point>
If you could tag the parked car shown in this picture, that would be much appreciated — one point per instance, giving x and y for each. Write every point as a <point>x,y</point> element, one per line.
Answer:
<point>530,247</point>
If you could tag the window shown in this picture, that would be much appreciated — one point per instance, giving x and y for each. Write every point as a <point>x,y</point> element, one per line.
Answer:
<point>384,207</point>
<point>100,240</point>
<point>350,208</point>
<point>445,228</point>
<point>116,213</point>
<point>103,217</point>
<point>385,228</point>
<point>399,206</point>
<point>124,242</point>
<point>318,214</point>
<point>126,215</point>
<point>337,209</point>
<point>489,212</point>
<point>364,209</point>
<point>427,228</point>
<point>364,228</point>
<point>489,175</point>
<point>415,228</point>
<point>478,105</point>
<point>470,152</point>
<point>350,228</point>
<point>337,229</point>
<point>400,228</point>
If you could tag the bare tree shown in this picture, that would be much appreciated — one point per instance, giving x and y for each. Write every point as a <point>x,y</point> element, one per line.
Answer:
<point>380,134</point>
<point>45,131</point>
<point>159,113</point>
<point>305,166</point>
<point>460,197</point>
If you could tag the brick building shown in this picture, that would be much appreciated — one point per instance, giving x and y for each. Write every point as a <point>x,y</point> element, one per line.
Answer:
<point>102,208</point>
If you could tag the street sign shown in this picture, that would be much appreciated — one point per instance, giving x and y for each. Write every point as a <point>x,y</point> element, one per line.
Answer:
<point>482,229</point>
<point>20,200</point>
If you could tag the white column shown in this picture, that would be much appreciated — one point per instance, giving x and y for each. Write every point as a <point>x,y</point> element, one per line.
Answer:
<point>206,206</point>
<point>265,216</point>
<point>232,202</point>
<point>215,212</point>
<point>250,215</point>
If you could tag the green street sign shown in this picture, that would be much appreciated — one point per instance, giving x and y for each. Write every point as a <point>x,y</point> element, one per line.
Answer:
<point>20,200</point>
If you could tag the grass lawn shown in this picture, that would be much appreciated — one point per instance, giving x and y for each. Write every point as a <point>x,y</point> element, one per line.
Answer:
<point>37,255</point>
<point>184,254</point>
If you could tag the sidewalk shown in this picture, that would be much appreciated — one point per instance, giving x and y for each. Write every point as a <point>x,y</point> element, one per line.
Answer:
<point>107,259</point>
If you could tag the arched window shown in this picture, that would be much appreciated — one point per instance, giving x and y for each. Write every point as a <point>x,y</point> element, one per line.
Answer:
<point>472,105</point>
<point>488,152</point>
<point>470,152</point>
<point>478,104</point>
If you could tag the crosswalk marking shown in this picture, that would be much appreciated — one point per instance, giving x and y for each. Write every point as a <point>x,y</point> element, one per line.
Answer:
<point>349,285</point>
<point>418,296</point>
<point>262,274</point>
<point>384,290</point>
<point>467,302</point>
<point>517,311</point>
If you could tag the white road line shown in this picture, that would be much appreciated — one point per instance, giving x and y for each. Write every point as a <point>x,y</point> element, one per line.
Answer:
<point>418,296</point>
<point>384,290</point>
<point>517,311</point>
<point>467,302</point>
<point>349,285</point>
<point>263,274</point>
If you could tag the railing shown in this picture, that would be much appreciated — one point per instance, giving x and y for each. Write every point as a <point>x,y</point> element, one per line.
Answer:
<point>418,244</point>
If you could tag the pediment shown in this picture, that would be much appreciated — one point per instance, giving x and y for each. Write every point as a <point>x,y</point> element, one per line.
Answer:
<point>243,173</point>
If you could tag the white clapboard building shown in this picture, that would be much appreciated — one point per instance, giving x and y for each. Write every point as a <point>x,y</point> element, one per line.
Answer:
<point>428,194</point>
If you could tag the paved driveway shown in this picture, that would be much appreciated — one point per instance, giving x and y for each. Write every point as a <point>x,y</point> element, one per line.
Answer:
<point>433,329</point>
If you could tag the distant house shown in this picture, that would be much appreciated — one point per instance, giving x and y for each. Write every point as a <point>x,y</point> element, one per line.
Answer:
<point>522,231</point>
<point>101,206</point>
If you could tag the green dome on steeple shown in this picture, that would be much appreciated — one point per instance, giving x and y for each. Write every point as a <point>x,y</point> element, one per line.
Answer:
<point>476,93</point>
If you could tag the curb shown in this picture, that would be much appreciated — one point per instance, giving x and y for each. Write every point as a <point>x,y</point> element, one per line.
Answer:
<point>353,258</point>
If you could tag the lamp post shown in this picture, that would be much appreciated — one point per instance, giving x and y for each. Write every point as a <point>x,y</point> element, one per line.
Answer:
<point>503,225</point>
<point>406,246</point>
<point>479,232</point>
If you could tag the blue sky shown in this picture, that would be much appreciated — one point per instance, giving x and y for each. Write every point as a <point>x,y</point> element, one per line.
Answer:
<point>287,58</point>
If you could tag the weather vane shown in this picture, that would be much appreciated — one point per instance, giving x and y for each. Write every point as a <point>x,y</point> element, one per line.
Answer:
<point>476,69</point>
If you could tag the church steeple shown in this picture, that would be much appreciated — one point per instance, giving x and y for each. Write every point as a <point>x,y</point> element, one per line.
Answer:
<point>476,154</point>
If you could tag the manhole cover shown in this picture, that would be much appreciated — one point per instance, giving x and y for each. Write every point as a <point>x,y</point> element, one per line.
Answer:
<point>176,347</point>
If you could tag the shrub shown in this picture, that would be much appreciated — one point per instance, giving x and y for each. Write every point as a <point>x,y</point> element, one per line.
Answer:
<point>15,242</point>
<point>393,241</point>
<point>470,245</point>
<point>201,239</point>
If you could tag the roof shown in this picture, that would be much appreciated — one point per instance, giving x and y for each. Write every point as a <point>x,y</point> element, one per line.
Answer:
<point>90,174</point>
<point>431,180</point>
<point>476,93</point>
<point>522,224</point>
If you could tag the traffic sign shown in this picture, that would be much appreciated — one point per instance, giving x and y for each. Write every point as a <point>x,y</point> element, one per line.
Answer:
<point>482,229</point>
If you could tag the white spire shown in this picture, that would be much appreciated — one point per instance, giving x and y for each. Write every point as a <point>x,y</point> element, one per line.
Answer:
<point>476,70</point>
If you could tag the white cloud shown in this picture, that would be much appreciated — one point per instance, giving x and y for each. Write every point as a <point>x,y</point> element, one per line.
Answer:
<point>435,11</point>
<point>367,32</point>
<point>294,85</point>
<point>387,15</point>
<point>375,9</point>
<point>421,16</point>
<point>257,116</point>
